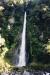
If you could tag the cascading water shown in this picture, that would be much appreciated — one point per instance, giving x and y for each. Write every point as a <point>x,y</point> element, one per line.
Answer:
<point>22,55</point>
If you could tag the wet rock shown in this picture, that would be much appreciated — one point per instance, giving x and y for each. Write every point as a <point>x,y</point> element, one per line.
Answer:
<point>26,73</point>
<point>4,73</point>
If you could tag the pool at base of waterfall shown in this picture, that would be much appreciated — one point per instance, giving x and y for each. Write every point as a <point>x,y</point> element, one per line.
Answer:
<point>25,73</point>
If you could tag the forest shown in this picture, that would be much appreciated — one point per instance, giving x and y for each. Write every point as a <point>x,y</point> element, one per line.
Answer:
<point>37,33</point>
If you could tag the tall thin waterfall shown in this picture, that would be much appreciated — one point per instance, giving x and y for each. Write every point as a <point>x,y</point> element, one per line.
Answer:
<point>22,55</point>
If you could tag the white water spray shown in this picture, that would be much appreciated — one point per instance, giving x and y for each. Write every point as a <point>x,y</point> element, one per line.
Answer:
<point>22,56</point>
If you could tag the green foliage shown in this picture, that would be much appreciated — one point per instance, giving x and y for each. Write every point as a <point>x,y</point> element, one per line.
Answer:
<point>38,22</point>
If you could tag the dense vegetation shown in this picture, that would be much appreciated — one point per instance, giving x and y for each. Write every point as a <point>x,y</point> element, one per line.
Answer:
<point>38,31</point>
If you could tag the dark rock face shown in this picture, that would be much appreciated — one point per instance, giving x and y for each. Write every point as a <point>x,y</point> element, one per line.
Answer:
<point>43,1</point>
<point>4,0</point>
<point>26,73</point>
<point>1,0</point>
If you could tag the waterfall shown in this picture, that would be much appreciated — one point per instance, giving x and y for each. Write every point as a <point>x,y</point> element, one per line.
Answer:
<point>22,55</point>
